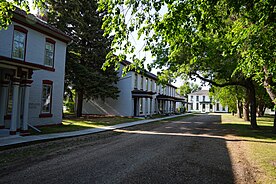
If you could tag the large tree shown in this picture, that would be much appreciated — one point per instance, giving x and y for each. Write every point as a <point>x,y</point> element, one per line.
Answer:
<point>188,87</point>
<point>217,39</point>
<point>86,54</point>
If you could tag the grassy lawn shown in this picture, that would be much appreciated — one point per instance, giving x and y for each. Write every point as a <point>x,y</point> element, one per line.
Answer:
<point>260,144</point>
<point>74,124</point>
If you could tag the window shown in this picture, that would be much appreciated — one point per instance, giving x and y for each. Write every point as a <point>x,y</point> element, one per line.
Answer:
<point>141,85</point>
<point>203,98</point>
<point>217,106</point>
<point>192,106</point>
<point>19,42</point>
<point>150,85</point>
<point>147,84</point>
<point>49,52</point>
<point>211,106</point>
<point>197,98</point>
<point>197,106</point>
<point>46,100</point>
<point>135,81</point>
<point>223,108</point>
<point>192,98</point>
<point>141,106</point>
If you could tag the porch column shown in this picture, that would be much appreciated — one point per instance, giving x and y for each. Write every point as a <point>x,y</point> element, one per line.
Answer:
<point>27,85</point>
<point>14,115</point>
<point>3,102</point>
<point>145,102</point>
<point>150,107</point>
<point>150,104</point>
<point>20,94</point>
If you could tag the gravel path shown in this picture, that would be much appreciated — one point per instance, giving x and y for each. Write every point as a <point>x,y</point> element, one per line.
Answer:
<point>192,150</point>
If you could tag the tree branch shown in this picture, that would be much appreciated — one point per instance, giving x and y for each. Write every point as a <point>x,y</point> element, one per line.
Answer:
<point>232,83</point>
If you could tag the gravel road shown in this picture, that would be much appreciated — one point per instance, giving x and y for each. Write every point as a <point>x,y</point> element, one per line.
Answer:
<point>191,150</point>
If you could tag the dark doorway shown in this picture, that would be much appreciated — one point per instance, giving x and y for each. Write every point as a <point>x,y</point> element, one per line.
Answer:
<point>135,106</point>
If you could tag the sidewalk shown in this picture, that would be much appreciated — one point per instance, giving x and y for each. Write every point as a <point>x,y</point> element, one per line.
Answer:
<point>17,139</point>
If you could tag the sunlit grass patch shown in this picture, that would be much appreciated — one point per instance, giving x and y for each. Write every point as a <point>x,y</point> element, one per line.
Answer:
<point>243,128</point>
<point>74,124</point>
<point>261,144</point>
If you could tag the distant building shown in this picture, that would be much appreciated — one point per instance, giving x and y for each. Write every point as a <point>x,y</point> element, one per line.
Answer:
<point>32,66</point>
<point>140,95</point>
<point>199,101</point>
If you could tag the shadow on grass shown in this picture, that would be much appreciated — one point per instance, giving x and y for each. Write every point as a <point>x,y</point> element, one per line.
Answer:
<point>265,132</point>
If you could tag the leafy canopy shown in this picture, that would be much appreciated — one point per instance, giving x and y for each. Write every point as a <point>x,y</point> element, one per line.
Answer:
<point>217,39</point>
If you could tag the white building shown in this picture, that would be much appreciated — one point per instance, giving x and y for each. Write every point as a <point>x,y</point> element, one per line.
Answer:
<point>32,66</point>
<point>199,101</point>
<point>139,95</point>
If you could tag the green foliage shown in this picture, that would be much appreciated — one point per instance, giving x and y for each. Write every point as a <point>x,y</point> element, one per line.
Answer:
<point>187,88</point>
<point>6,8</point>
<point>228,96</point>
<point>227,39</point>
<point>86,54</point>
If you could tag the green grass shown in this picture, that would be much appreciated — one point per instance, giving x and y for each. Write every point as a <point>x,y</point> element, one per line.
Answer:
<point>243,128</point>
<point>74,124</point>
<point>261,144</point>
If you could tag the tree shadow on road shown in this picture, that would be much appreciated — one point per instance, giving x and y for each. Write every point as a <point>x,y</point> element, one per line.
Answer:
<point>212,125</point>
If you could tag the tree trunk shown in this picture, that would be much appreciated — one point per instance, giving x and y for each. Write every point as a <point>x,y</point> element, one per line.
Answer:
<point>253,107</point>
<point>79,103</point>
<point>239,109</point>
<point>274,125</point>
<point>246,109</point>
<point>268,84</point>
<point>261,109</point>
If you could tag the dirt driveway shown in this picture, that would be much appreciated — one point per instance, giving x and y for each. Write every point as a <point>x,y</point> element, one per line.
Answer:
<point>192,150</point>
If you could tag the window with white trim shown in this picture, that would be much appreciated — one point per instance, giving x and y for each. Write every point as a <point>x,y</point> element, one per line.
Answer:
<point>46,100</point>
<point>49,54</point>
<point>19,42</point>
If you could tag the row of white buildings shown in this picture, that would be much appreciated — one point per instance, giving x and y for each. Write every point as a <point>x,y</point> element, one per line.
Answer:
<point>32,67</point>
<point>140,95</point>
<point>200,101</point>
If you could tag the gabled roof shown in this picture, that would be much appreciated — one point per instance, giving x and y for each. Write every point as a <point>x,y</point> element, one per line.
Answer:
<point>201,92</point>
<point>146,73</point>
<point>31,21</point>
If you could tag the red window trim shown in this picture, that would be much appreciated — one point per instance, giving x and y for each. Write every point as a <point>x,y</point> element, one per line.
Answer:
<point>17,61</point>
<point>50,40</point>
<point>45,115</point>
<point>47,82</point>
<point>21,29</point>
